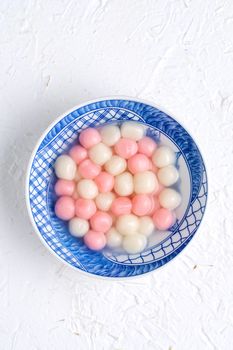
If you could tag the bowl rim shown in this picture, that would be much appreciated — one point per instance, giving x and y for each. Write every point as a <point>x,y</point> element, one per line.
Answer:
<point>34,151</point>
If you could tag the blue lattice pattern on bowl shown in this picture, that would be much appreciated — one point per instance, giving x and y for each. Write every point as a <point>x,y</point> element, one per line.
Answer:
<point>41,180</point>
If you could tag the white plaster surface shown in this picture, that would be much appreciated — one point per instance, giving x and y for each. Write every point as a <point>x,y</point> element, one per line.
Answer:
<point>56,54</point>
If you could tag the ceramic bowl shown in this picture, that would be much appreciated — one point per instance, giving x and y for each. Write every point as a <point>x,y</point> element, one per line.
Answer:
<point>162,247</point>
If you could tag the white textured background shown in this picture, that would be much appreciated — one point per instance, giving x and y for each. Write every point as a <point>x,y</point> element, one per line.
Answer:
<point>55,54</point>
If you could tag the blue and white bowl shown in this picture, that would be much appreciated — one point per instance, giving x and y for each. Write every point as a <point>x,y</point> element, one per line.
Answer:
<point>40,182</point>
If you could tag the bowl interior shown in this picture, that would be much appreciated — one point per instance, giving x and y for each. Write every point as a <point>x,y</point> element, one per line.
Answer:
<point>163,246</point>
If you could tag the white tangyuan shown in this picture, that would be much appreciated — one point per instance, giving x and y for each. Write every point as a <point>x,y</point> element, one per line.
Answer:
<point>115,165</point>
<point>110,134</point>
<point>132,130</point>
<point>168,175</point>
<point>87,189</point>
<point>100,153</point>
<point>65,167</point>
<point>114,238</point>
<point>169,198</point>
<point>124,184</point>
<point>145,182</point>
<point>78,227</point>
<point>163,156</point>
<point>127,224</point>
<point>104,200</point>
<point>146,225</point>
<point>134,244</point>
